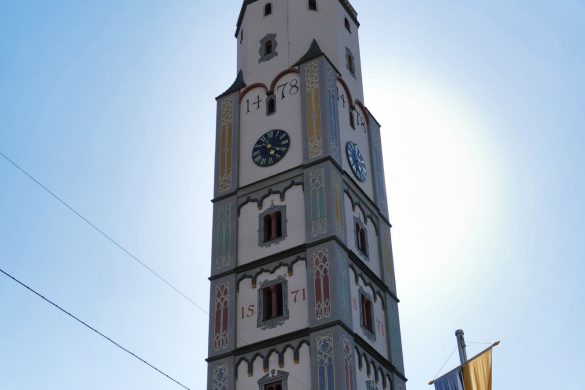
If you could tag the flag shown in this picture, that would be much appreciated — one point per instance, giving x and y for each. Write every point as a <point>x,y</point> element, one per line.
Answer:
<point>451,381</point>
<point>476,374</point>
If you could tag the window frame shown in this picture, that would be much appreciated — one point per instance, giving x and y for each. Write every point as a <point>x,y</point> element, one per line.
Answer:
<point>264,56</point>
<point>366,299</point>
<point>273,322</point>
<point>360,227</point>
<point>274,377</point>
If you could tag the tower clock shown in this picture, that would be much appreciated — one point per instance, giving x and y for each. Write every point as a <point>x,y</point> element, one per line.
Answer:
<point>303,292</point>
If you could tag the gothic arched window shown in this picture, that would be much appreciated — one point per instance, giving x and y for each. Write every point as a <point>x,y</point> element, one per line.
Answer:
<point>270,105</point>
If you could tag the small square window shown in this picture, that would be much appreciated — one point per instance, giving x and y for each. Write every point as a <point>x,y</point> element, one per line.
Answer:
<point>268,46</point>
<point>313,5</point>
<point>272,303</point>
<point>268,9</point>
<point>272,228</point>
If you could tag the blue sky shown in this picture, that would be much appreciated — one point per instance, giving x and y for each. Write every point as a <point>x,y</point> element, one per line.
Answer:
<point>111,105</point>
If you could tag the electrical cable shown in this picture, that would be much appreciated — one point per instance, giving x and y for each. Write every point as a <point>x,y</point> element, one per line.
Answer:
<point>117,244</point>
<point>103,234</point>
<point>93,329</point>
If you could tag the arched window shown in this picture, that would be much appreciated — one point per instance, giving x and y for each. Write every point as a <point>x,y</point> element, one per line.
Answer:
<point>267,9</point>
<point>270,105</point>
<point>351,119</point>
<point>313,5</point>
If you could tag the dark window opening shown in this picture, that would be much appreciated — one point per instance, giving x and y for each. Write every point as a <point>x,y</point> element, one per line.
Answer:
<point>274,386</point>
<point>271,105</point>
<point>350,63</point>
<point>268,48</point>
<point>272,302</point>
<point>367,319</point>
<point>313,5</point>
<point>241,35</point>
<point>272,226</point>
<point>347,25</point>
<point>361,238</point>
<point>267,9</point>
<point>351,119</point>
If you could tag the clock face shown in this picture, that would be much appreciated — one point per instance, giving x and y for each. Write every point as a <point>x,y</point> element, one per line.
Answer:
<point>270,148</point>
<point>356,161</point>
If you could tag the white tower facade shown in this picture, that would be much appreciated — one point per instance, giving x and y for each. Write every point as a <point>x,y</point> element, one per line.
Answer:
<point>303,292</point>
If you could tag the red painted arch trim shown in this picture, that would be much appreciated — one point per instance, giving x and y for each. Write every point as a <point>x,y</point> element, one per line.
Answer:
<point>251,87</point>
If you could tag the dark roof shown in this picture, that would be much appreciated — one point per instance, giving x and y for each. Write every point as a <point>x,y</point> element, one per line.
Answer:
<point>238,84</point>
<point>313,52</point>
<point>345,3</point>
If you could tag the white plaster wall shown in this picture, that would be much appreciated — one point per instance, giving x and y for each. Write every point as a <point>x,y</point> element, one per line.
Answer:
<point>379,317</point>
<point>255,123</point>
<point>373,258</point>
<point>249,225</point>
<point>359,135</point>
<point>296,27</point>
<point>255,27</point>
<point>299,373</point>
<point>247,329</point>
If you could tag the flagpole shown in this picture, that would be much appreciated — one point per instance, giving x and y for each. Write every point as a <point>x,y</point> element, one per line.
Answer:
<point>473,358</point>
<point>461,346</point>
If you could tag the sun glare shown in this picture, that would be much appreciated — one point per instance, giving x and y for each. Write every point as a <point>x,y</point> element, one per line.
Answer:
<point>433,184</point>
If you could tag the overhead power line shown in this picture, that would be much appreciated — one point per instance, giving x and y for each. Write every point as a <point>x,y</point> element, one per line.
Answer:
<point>93,329</point>
<point>127,252</point>
<point>104,234</point>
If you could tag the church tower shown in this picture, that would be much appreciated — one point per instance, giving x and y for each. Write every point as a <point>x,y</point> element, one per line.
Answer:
<point>303,292</point>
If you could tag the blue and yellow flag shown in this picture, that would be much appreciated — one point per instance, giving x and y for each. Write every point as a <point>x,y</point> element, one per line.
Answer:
<point>476,374</point>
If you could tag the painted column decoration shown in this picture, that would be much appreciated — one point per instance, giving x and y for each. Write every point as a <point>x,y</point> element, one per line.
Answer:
<point>333,114</point>
<point>224,218</point>
<point>338,199</point>
<point>318,208</point>
<point>348,355</point>
<point>314,110</point>
<point>220,377</point>
<point>226,137</point>
<point>322,284</point>
<point>345,297</point>
<point>325,363</point>
<point>221,328</point>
